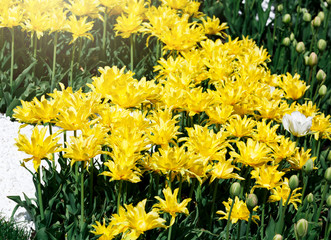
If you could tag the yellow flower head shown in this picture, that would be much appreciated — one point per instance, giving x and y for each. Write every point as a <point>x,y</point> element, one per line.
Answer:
<point>321,126</point>
<point>170,204</point>
<point>240,127</point>
<point>293,87</point>
<point>213,27</point>
<point>163,126</point>
<point>39,146</point>
<point>299,159</point>
<point>89,8</point>
<point>283,192</point>
<point>127,24</point>
<point>265,132</point>
<point>79,28</point>
<point>11,16</point>
<point>252,153</point>
<point>83,149</point>
<point>285,148</point>
<point>139,221</point>
<point>219,114</point>
<point>266,177</point>
<point>239,211</point>
<point>176,4</point>
<point>108,232</point>
<point>205,142</point>
<point>223,169</point>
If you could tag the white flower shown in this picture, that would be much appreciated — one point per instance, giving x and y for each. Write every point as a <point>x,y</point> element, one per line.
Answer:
<point>297,123</point>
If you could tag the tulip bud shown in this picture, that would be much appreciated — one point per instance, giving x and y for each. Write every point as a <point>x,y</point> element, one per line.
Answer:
<point>321,45</point>
<point>301,227</point>
<point>293,182</point>
<point>286,41</point>
<point>306,58</point>
<point>302,10</point>
<point>306,17</point>
<point>310,198</point>
<point>321,15</point>
<point>328,201</point>
<point>316,22</point>
<point>329,156</point>
<point>235,189</point>
<point>292,36</point>
<point>251,201</point>
<point>286,18</point>
<point>313,59</point>
<point>322,91</point>
<point>294,43</point>
<point>308,167</point>
<point>300,48</point>
<point>327,174</point>
<point>321,75</point>
<point>280,8</point>
<point>278,237</point>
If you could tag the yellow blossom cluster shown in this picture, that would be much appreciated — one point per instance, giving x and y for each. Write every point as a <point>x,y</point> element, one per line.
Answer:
<point>213,109</point>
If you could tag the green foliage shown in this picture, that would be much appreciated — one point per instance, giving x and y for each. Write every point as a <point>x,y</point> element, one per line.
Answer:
<point>10,231</point>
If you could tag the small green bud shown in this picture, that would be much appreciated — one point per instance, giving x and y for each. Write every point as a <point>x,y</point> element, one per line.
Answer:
<point>301,227</point>
<point>306,58</point>
<point>251,201</point>
<point>293,182</point>
<point>328,201</point>
<point>313,59</point>
<point>306,17</point>
<point>303,10</point>
<point>300,47</point>
<point>286,41</point>
<point>316,22</point>
<point>292,36</point>
<point>327,174</point>
<point>329,156</point>
<point>294,43</point>
<point>278,237</point>
<point>310,198</point>
<point>321,45</point>
<point>235,189</point>
<point>322,91</point>
<point>321,15</point>
<point>308,167</point>
<point>286,18</point>
<point>321,75</point>
<point>280,8</point>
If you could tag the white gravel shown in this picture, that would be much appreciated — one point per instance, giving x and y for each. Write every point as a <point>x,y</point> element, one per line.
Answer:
<point>14,179</point>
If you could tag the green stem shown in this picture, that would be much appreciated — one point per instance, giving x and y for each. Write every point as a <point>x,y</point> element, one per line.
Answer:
<point>249,223</point>
<point>213,205</point>
<point>104,33</point>
<point>131,52</point>
<point>169,232</point>
<point>50,133</point>
<point>263,214</point>
<point>239,228</point>
<point>281,224</point>
<point>191,191</point>
<point>54,62</point>
<point>12,61</point>
<point>79,51</point>
<point>305,181</point>
<point>325,190</point>
<point>119,196</point>
<point>72,64</point>
<point>91,180</point>
<point>169,179</point>
<point>180,188</point>
<point>40,199</point>
<point>228,223</point>
<point>82,195</point>
<point>34,53</point>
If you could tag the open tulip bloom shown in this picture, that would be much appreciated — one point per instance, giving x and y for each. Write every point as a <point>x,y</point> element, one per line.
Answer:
<point>297,123</point>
